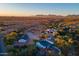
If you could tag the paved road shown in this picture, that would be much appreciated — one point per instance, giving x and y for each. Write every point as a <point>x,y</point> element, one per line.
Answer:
<point>32,36</point>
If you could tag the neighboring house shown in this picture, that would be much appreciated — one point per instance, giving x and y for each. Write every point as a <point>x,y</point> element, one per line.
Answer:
<point>51,33</point>
<point>51,30</point>
<point>22,41</point>
<point>48,45</point>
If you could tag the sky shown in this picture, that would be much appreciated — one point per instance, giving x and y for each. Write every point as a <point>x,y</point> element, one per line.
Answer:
<point>29,9</point>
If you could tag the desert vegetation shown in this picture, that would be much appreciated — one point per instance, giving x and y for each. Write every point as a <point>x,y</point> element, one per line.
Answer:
<point>39,35</point>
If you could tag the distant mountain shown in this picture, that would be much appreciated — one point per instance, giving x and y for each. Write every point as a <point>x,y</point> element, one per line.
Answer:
<point>40,19</point>
<point>49,15</point>
<point>31,18</point>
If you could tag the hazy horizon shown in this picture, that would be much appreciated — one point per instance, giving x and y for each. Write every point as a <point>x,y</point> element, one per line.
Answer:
<point>31,9</point>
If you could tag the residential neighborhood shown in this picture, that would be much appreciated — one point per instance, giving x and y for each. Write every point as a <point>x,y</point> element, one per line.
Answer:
<point>39,29</point>
<point>55,40</point>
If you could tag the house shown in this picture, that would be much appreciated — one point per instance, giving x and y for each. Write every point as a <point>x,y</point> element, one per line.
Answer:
<point>48,34</point>
<point>47,45</point>
<point>22,41</point>
<point>51,32</point>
